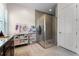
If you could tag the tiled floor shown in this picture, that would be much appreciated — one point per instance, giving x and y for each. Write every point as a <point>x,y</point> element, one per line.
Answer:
<point>37,50</point>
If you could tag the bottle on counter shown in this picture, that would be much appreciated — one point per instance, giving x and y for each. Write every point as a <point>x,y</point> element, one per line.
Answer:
<point>1,34</point>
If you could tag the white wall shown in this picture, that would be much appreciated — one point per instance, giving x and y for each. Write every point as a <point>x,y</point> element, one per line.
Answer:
<point>20,15</point>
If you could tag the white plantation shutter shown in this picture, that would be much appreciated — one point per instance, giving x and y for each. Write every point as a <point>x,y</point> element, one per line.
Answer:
<point>3,19</point>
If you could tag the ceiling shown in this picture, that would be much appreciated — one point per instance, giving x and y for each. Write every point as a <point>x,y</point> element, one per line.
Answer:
<point>44,7</point>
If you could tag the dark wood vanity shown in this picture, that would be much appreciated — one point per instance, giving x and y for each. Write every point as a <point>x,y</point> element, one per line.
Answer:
<point>7,49</point>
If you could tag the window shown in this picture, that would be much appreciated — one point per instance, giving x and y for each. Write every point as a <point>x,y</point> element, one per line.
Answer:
<point>3,19</point>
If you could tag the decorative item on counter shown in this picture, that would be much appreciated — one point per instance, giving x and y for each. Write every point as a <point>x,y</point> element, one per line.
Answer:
<point>1,34</point>
<point>32,29</point>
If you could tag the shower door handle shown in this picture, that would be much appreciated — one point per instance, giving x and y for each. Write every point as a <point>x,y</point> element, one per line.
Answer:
<point>60,32</point>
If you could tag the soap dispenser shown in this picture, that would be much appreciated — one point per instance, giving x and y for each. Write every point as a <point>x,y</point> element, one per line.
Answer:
<point>1,34</point>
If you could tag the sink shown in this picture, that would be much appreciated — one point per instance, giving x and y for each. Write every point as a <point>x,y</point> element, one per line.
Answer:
<point>2,41</point>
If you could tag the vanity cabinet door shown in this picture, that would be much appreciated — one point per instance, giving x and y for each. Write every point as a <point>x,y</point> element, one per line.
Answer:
<point>12,48</point>
<point>9,48</point>
<point>7,52</point>
<point>1,51</point>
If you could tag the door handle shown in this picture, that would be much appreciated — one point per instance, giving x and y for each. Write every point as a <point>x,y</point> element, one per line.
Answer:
<point>59,32</point>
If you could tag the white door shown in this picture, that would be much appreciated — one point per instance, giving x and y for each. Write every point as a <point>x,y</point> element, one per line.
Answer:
<point>67,27</point>
<point>60,29</point>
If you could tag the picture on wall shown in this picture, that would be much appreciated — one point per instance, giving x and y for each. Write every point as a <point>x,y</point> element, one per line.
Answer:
<point>20,28</point>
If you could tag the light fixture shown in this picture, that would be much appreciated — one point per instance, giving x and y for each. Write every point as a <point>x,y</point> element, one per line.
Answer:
<point>50,9</point>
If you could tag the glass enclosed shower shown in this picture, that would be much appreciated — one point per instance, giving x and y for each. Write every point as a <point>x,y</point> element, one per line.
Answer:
<point>44,28</point>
